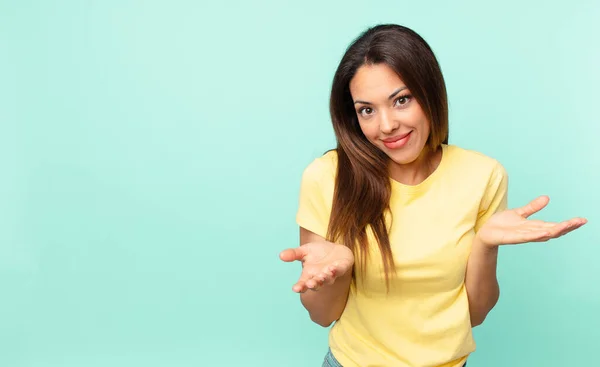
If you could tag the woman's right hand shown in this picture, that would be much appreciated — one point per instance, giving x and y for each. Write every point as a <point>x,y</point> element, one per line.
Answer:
<point>322,263</point>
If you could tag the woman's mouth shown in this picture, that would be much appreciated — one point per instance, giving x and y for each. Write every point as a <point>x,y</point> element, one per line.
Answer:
<point>397,141</point>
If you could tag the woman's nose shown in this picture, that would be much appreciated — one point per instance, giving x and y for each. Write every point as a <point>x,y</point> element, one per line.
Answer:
<point>387,124</point>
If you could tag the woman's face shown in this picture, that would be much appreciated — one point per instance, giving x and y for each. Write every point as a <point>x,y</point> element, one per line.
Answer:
<point>389,117</point>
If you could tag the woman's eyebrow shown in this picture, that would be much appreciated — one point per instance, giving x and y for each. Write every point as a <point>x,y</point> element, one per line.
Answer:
<point>390,97</point>
<point>396,92</point>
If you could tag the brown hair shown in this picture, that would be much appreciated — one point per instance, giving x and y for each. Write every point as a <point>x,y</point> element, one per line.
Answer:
<point>363,187</point>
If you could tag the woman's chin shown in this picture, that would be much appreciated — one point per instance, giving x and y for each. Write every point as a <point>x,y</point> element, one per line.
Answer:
<point>403,156</point>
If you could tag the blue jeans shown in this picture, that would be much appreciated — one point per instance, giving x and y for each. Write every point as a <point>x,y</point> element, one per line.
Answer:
<point>330,361</point>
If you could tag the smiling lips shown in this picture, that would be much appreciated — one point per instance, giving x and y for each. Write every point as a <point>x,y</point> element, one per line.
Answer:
<point>397,141</point>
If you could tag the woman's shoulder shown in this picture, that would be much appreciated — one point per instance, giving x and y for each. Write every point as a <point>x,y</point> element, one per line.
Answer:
<point>472,158</point>
<point>323,166</point>
<point>471,164</point>
<point>472,172</point>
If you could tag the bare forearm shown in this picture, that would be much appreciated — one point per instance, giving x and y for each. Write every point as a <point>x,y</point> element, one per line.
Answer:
<point>327,303</point>
<point>481,281</point>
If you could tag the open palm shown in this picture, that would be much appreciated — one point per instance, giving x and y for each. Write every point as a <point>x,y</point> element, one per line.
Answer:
<point>513,226</point>
<point>322,263</point>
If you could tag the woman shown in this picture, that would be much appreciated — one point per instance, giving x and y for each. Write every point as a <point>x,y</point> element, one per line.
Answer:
<point>399,230</point>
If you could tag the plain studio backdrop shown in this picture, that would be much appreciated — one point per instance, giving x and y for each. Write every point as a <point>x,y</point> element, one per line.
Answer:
<point>151,155</point>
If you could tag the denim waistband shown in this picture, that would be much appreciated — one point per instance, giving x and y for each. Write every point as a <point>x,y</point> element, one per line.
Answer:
<point>330,361</point>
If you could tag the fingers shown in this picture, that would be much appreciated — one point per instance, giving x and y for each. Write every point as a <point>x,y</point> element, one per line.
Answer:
<point>566,227</point>
<point>544,232</point>
<point>292,254</point>
<point>315,280</point>
<point>301,286</point>
<point>533,206</point>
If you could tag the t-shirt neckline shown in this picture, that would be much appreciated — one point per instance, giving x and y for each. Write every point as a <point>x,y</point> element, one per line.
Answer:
<point>427,181</point>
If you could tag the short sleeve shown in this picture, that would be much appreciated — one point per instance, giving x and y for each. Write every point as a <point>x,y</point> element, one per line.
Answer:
<point>314,202</point>
<point>495,198</point>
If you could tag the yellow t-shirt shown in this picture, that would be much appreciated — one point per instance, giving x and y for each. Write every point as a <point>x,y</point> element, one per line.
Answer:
<point>424,320</point>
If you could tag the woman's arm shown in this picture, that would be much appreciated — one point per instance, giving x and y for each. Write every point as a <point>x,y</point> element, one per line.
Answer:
<point>326,276</point>
<point>481,281</point>
<point>507,227</point>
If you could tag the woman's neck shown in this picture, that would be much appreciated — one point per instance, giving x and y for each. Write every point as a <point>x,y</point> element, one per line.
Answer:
<point>417,171</point>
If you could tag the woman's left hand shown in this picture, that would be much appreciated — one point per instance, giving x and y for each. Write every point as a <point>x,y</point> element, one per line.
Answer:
<point>513,226</point>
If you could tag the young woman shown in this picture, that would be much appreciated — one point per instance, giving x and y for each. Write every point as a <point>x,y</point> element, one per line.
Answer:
<point>399,230</point>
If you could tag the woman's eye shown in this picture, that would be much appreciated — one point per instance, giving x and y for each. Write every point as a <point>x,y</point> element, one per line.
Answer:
<point>365,111</point>
<point>403,100</point>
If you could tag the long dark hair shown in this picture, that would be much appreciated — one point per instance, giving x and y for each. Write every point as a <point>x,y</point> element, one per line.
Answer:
<point>363,187</point>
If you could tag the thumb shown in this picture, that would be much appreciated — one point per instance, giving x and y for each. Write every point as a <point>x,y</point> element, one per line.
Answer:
<point>533,206</point>
<point>293,254</point>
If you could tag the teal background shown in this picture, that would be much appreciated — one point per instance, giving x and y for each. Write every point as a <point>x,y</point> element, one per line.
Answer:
<point>151,154</point>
